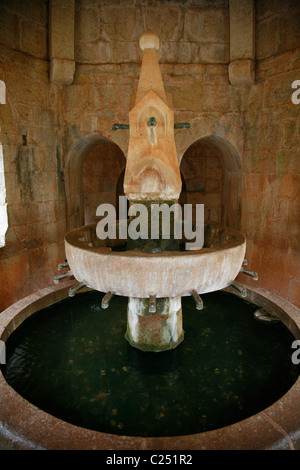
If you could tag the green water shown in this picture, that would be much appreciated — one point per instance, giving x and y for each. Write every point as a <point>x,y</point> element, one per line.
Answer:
<point>73,361</point>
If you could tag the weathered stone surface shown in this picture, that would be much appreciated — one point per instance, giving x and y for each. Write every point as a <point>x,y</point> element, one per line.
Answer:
<point>94,53</point>
<point>242,43</point>
<point>36,12</point>
<point>9,31</point>
<point>214,53</point>
<point>123,54</point>
<point>62,71</point>
<point>62,29</point>
<point>193,25</point>
<point>183,52</point>
<point>152,170</point>
<point>84,17</point>
<point>242,24</point>
<point>216,26</point>
<point>269,30</point>
<point>154,332</point>
<point>166,24</point>
<point>183,100</point>
<point>277,25</point>
<point>33,39</point>
<point>241,72</point>
<point>114,25</point>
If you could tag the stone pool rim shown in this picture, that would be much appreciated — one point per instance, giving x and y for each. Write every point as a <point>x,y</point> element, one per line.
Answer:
<point>276,427</point>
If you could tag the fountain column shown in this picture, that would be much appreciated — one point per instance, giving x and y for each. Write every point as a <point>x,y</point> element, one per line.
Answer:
<point>152,176</point>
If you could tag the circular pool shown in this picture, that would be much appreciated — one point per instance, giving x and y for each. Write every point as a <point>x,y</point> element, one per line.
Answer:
<point>72,381</point>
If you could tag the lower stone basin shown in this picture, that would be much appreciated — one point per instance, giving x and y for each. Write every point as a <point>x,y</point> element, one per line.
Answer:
<point>25,426</point>
<point>166,274</point>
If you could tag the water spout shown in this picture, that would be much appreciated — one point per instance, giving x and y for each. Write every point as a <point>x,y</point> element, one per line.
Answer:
<point>262,315</point>
<point>106,299</point>
<point>74,289</point>
<point>252,274</point>
<point>197,299</point>
<point>119,126</point>
<point>182,125</point>
<point>152,304</point>
<point>63,265</point>
<point>240,289</point>
<point>58,278</point>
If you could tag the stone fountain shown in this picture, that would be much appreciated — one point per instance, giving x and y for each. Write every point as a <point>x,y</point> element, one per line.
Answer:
<point>154,274</point>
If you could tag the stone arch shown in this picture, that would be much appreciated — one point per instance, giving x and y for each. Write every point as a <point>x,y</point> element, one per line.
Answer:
<point>230,179</point>
<point>74,184</point>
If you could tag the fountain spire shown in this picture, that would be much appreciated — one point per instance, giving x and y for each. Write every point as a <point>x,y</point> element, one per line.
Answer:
<point>152,176</point>
<point>150,76</point>
<point>152,168</point>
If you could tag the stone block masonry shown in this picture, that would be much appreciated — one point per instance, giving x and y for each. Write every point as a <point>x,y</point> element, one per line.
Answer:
<point>260,121</point>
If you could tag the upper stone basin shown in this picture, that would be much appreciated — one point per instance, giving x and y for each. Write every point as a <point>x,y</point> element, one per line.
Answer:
<point>166,274</point>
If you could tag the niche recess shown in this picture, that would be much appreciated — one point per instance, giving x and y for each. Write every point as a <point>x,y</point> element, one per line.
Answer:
<point>92,169</point>
<point>213,176</point>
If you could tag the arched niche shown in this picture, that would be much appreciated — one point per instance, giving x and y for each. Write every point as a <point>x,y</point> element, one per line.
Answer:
<point>213,175</point>
<point>92,168</point>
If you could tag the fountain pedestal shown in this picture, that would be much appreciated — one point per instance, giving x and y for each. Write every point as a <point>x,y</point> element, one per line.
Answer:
<point>157,331</point>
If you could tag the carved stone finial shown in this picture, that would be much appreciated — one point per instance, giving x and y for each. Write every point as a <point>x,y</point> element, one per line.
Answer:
<point>149,40</point>
<point>152,169</point>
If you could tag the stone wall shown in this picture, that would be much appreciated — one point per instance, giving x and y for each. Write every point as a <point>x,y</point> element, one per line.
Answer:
<point>36,220</point>
<point>24,26</point>
<point>48,128</point>
<point>189,31</point>
<point>34,195</point>
<point>271,194</point>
